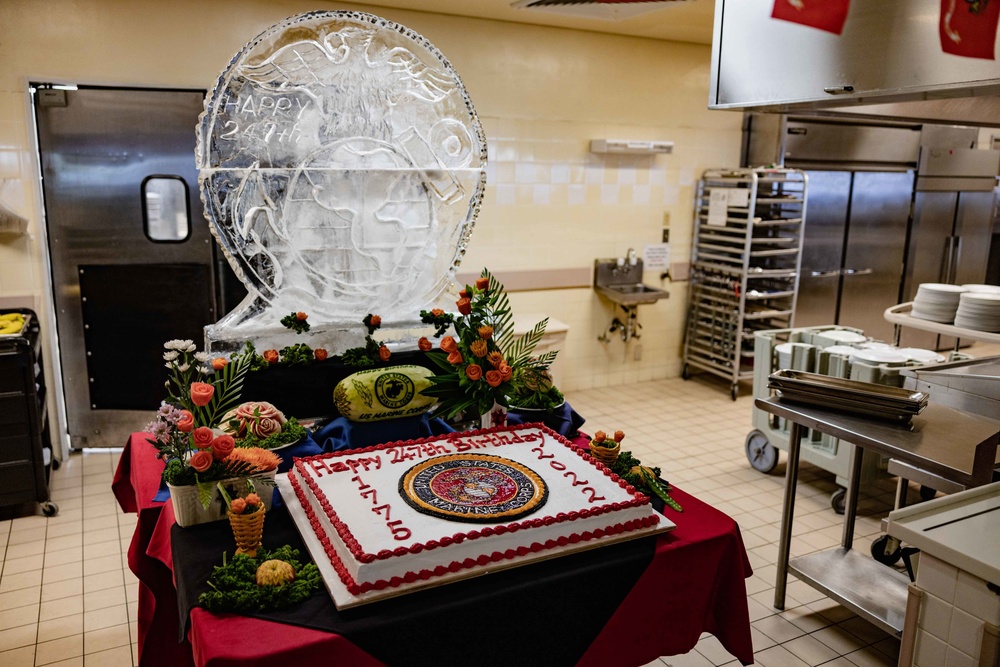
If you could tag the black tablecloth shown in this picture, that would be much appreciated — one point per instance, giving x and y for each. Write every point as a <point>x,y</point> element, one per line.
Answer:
<point>457,622</point>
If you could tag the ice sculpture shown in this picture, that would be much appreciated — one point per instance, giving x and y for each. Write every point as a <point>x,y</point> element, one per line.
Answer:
<point>341,165</point>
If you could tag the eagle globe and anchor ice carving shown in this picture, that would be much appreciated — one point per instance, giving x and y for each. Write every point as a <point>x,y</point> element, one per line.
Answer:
<point>342,166</point>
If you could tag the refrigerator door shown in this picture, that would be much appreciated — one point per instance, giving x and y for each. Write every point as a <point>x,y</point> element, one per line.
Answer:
<point>822,248</point>
<point>873,261</point>
<point>974,228</point>
<point>931,250</point>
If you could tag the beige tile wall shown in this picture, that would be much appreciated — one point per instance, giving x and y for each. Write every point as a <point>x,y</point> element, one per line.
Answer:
<point>543,94</point>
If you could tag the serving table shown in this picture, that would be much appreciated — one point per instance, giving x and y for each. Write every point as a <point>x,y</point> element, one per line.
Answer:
<point>947,442</point>
<point>691,582</point>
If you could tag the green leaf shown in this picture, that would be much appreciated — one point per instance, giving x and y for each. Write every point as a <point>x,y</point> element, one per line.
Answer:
<point>205,493</point>
<point>521,350</point>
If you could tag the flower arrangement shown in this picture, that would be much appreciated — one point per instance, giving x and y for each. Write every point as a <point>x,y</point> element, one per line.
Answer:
<point>482,365</point>
<point>296,322</point>
<point>629,468</point>
<point>536,392</point>
<point>243,584</point>
<point>260,424</point>
<point>246,516</point>
<point>373,351</point>
<point>606,449</point>
<point>200,391</point>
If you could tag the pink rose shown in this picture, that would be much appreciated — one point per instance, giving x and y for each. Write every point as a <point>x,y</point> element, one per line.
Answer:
<point>201,460</point>
<point>201,393</point>
<point>186,423</point>
<point>203,437</point>
<point>265,427</point>
<point>222,447</point>
<point>259,409</point>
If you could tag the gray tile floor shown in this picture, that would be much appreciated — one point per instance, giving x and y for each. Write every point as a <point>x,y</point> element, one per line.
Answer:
<point>67,596</point>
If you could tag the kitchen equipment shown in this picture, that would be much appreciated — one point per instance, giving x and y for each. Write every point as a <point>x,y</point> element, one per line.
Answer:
<point>745,266</point>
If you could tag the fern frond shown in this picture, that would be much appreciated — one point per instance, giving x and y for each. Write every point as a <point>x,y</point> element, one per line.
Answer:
<point>521,350</point>
<point>542,361</point>
<point>503,319</point>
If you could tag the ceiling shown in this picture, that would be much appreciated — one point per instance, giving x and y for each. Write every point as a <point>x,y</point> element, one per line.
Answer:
<point>682,20</point>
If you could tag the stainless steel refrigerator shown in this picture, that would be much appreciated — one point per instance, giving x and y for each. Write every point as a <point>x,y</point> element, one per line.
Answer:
<point>859,242</point>
<point>954,214</point>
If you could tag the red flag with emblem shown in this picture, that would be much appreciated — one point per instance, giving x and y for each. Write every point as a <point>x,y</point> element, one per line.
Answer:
<point>969,27</point>
<point>828,15</point>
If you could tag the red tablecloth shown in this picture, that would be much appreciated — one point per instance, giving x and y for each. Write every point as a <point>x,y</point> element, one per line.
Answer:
<point>694,584</point>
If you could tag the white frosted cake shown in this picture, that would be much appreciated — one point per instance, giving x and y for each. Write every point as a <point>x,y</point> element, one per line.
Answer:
<point>414,511</point>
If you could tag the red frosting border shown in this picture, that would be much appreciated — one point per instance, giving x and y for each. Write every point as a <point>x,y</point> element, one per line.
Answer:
<point>354,588</point>
<point>344,532</point>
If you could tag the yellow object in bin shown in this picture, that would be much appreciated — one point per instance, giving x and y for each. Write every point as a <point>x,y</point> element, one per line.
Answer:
<point>11,323</point>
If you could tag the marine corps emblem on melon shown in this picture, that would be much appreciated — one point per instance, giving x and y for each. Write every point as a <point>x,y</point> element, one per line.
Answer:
<point>383,393</point>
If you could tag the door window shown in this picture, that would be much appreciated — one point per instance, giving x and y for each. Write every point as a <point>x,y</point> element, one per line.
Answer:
<point>166,217</point>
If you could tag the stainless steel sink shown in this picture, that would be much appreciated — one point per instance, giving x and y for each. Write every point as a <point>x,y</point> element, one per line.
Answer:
<point>621,285</point>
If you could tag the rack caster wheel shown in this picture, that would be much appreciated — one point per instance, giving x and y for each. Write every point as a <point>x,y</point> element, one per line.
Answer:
<point>762,455</point>
<point>838,500</point>
<point>49,508</point>
<point>886,550</point>
<point>927,493</point>
<point>734,391</point>
<point>685,373</point>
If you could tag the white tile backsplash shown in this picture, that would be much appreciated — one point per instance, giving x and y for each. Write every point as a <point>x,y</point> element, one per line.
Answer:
<point>937,577</point>
<point>973,595</point>
<point>929,651</point>
<point>957,658</point>
<point>935,616</point>
<point>966,632</point>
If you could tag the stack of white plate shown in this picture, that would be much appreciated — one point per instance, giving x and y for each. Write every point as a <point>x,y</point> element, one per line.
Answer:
<point>979,311</point>
<point>992,289</point>
<point>936,302</point>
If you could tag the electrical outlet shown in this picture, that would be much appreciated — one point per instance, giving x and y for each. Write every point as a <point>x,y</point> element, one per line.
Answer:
<point>637,352</point>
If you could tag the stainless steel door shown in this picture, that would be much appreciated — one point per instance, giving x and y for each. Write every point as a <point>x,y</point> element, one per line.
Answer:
<point>873,260</point>
<point>974,229</point>
<point>131,267</point>
<point>822,248</point>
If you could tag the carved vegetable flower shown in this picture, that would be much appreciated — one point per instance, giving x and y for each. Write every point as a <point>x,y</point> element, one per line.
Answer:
<point>201,393</point>
<point>485,332</point>
<point>384,353</point>
<point>478,348</point>
<point>222,447</point>
<point>320,354</point>
<point>619,436</point>
<point>464,305</point>
<point>203,437</point>
<point>493,378</point>
<point>271,356</point>
<point>253,499</point>
<point>275,572</point>
<point>424,344</point>
<point>495,359</point>
<point>186,422</point>
<point>600,436</point>
<point>437,312</point>
<point>482,284</point>
<point>301,317</point>
<point>238,506</point>
<point>473,372</point>
<point>506,372</point>
<point>219,363</point>
<point>455,357</point>
<point>448,344</point>
<point>201,460</point>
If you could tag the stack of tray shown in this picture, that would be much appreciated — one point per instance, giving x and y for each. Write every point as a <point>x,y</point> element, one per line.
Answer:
<point>861,398</point>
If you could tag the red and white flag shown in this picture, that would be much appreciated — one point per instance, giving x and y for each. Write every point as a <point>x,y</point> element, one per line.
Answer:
<point>969,27</point>
<point>828,15</point>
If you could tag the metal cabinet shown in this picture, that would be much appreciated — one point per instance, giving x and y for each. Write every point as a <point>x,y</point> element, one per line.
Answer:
<point>745,266</point>
<point>24,431</point>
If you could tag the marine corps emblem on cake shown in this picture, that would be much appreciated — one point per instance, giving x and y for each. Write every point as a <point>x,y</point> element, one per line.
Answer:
<point>478,488</point>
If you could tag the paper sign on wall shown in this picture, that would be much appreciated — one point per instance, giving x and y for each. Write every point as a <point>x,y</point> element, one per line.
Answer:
<point>718,204</point>
<point>739,198</point>
<point>656,256</point>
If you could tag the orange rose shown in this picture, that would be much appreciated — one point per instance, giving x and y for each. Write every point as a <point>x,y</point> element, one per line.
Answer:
<point>300,316</point>
<point>437,312</point>
<point>384,353</point>
<point>238,506</point>
<point>186,423</point>
<point>203,437</point>
<point>478,348</point>
<point>506,372</point>
<point>375,321</point>
<point>201,393</point>
<point>464,294</point>
<point>495,359</point>
<point>448,344</point>
<point>455,357</point>
<point>619,436</point>
<point>424,344</point>
<point>201,460</point>
<point>320,354</point>
<point>485,332</point>
<point>219,363</point>
<point>473,372</point>
<point>253,499</point>
<point>493,378</point>
<point>600,436</point>
<point>464,305</point>
<point>271,356</point>
<point>482,284</point>
<point>223,447</point>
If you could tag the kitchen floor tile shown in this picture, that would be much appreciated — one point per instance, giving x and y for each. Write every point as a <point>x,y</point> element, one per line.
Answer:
<point>106,638</point>
<point>62,607</point>
<point>59,649</point>
<point>58,628</point>
<point>19,657</point>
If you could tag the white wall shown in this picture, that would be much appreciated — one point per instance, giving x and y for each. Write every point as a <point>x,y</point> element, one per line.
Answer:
<point>542,94</point>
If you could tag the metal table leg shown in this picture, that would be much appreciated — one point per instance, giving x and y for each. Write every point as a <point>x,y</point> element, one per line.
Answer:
<point>787,513</point>
<point>851,501</point>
